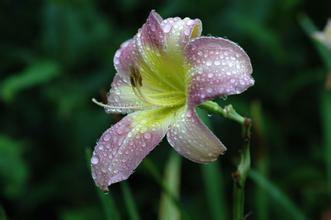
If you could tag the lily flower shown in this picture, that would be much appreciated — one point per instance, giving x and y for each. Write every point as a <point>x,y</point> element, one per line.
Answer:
<point>325,36</point>
<point>163,73</point>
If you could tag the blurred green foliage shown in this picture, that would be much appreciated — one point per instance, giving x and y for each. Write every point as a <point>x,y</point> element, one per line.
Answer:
<point>56,55</point>
<point>13,169</point>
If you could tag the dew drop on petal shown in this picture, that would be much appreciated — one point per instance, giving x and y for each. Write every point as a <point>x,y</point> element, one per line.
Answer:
<point>190,22</point>
<point>106,137</point>
<point>94,160</point>
<point>187,32</point>
<point>147,135</point>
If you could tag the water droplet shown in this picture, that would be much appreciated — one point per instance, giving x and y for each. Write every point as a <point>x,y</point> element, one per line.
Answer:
<point>106,137</point>
<point>94,160</point>
<point>167,28</point>
<point>187,32</point>
<point>147,135</point>
<point>190,22</point>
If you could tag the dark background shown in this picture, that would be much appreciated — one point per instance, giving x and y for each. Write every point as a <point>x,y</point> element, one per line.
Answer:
<point>57,55</point>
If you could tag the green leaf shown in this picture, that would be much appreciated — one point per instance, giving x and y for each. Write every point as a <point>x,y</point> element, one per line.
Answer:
<point>168,209</point>
<point>326,109</point>
<point>38,73</point>
<point>107,202</point>
<point>74,31</point>
<point>261,202</point>
<point>129,201</point>
<point>214,188</point>
<point>213,180</point>
<point>81,213</point>
<point>280,197</point>
<point>152,169</point>
<point>2,214</point>
<point>325,54</point>
<point>13,169</point>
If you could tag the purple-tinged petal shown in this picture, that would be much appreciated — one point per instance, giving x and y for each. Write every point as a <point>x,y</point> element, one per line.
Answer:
<point>192,139</point>
<point>219,68</point>
<point>122,147</point>
<point>150,37</point>
<point>151,33</point>
<point>158,38</point>
<point>122,99</point>
<point>178,32</point>
<point>126,58</point>
<point>130,55</point>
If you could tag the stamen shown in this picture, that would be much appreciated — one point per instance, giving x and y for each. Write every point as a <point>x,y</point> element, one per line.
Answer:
<point>136,83</point>
<point>109,106</point>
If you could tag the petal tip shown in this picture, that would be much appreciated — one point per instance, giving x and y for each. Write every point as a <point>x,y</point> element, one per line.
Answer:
<point>104,178</point>
<point>155,16</point>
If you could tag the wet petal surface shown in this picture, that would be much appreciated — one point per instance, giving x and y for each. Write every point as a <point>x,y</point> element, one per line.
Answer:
<point>192,139</point>
<point>178,32</point>
<point>122,99</point>
<point>122,147</point>
<point>126,58</point>
<point>219,68</point>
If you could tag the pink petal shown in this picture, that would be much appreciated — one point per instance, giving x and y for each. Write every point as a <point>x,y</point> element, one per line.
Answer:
<point>126,58</point>
<point>192,139</point>
<point>178,32</point>
<point>150,37</point>
<point>151,32</point>
<point>121,148</point>
<point>121,97</point>
<point>219,68</point>
<point>166,35</point>
<point>130,54</point>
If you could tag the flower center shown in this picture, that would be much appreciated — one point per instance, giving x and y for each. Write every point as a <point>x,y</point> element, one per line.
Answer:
<point>161,79</point>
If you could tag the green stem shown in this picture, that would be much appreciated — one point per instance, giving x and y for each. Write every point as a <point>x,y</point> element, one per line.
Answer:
<point>244,161</point>
<point>227,112</point>
<point>239,202</point>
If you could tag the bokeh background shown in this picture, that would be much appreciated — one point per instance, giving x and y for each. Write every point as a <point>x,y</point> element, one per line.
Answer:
<point>56,55</point>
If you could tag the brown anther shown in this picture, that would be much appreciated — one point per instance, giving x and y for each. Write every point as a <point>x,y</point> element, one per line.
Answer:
<point>135,77</point>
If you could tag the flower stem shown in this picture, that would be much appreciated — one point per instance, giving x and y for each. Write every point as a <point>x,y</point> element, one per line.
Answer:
<point>240,174</point>
<point>243,165</point>
<point>227,112</point>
